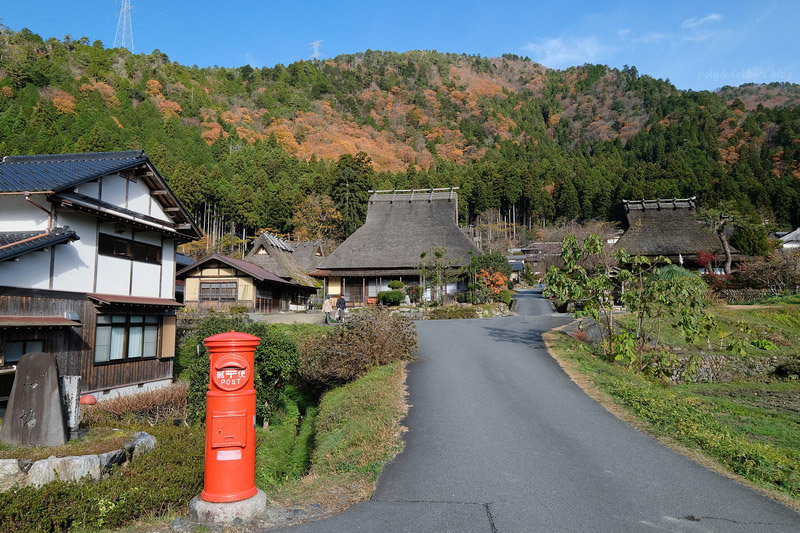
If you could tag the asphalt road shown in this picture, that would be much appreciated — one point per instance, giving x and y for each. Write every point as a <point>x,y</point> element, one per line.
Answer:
<point>500,440</point>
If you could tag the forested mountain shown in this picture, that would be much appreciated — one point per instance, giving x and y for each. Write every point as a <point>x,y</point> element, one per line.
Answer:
<point>536,144</point>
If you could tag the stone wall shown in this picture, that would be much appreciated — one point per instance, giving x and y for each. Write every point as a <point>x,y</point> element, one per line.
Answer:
<point>22,472</point>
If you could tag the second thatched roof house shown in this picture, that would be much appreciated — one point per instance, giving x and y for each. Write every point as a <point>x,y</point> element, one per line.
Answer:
<point>400,226</point>
<point>669,228</point>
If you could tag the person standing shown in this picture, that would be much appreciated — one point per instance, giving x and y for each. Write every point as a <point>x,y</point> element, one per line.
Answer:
<point>341,305</point>
<point>327,308</point>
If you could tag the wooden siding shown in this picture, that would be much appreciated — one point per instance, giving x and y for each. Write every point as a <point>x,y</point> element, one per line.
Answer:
<point>74,346</point>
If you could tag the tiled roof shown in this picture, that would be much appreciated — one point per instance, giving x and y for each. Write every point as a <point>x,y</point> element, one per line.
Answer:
<point>120,299</point>
<point>17,321</point>
<point>16,243</point>
<point>58,172</point>
<point>248,268</point>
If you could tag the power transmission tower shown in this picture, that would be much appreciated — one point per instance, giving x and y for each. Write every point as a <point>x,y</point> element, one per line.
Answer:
<point>315,48</point>
<point>124,35</point>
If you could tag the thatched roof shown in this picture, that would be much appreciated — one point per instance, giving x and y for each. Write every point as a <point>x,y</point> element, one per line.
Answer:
<point>276,255</point>
<point>400,226</point>
<point>667,227</point>
<point>309,254</point>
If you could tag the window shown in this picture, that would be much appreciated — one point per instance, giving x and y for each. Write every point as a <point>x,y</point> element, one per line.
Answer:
<point>16,349</point>
<point>125,337</point>
<point>218,291</point>
<point>137,251</point>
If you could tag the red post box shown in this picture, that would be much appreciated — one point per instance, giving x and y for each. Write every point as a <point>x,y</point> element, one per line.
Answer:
<point>230,419</point>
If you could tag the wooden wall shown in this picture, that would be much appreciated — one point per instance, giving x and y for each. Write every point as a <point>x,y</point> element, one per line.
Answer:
<point>74,346</point>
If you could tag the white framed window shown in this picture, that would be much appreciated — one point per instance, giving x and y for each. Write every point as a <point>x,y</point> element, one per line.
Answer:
<point>126,338</point>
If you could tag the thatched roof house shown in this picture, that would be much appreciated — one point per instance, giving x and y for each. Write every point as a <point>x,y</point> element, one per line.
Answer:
<point>277,256</point>
<point>308,254</point>
<point>400,226</point>
<point>668,227</point>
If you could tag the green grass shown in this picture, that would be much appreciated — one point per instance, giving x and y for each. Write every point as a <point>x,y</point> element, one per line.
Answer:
<point>739,426</point>
<point>98,440</point>
<point>357,424</point>
<point>780,325</point>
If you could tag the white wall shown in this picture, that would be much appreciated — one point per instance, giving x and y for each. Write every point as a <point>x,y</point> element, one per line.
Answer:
<point>90,189</point>
<point>73,265</point>
<point>20,215</point>
<point>30,271</point>
<point>113,275</point>
<point>114,190</point>
<point>139,197</point>
<point>168,269</point>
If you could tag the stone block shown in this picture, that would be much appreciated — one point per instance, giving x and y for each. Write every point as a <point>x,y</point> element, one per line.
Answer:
<point>72,468</point>
<point>35,415</point>
<point>10,474</point>
<point>142,442</point>
<point>230,513</point>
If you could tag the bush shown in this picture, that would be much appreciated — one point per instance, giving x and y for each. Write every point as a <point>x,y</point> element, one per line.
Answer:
<point>506,296</point>
<point>453,312</point>
<point>276,360</point>
<point>392,298</point>
<point>151,407</point>
<point>374,337</point>
<point>413,292</point>
<point>396,284</point>
<point>157,482</point>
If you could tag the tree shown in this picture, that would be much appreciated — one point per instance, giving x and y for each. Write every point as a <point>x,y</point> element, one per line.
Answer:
<point>316,218</point>
<point>352,176</point>
<point>653,296</point>
<point>437,269</point>
<point>565,196</point>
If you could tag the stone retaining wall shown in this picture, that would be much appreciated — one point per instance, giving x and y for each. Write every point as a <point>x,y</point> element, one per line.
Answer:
<point>24,472</point>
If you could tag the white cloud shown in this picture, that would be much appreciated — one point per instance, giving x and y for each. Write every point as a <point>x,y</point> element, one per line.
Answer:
<point>622,34</point>
<point>567,51</point>
<point>695,22</point>
<point>652,37</point>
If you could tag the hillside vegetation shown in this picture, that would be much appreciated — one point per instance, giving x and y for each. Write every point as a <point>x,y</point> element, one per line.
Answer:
<point>534,143</point>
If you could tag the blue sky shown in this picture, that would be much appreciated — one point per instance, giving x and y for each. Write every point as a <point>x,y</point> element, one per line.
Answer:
<point>696,45</point>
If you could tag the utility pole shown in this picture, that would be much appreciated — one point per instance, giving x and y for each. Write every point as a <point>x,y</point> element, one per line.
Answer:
<point>124,35</point>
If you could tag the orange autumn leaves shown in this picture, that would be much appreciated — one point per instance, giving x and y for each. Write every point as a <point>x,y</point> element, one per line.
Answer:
<point>494,281</point>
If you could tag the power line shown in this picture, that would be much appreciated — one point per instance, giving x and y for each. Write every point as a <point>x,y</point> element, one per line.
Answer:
<point>124,36</point>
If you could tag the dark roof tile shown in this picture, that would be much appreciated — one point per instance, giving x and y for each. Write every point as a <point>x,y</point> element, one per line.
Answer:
<point>16,243</point>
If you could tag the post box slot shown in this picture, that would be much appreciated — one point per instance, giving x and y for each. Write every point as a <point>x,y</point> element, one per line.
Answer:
<point>229,430</point>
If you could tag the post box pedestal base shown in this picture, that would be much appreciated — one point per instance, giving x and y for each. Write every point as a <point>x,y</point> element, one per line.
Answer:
<point>230,513</point>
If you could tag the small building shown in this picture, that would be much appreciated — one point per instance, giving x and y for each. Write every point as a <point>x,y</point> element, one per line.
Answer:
<point>87,267</point>
<point>282,259</point>
<point>400,226</point>
<point>791,241</point>
<point>669,228</point>
<point>221,282</point>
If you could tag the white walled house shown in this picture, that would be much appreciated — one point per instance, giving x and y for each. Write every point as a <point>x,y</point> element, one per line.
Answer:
<point>87,267</point>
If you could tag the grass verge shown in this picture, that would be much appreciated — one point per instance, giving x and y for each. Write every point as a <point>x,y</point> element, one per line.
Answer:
<point>357,432</point>
<point>708,426</point>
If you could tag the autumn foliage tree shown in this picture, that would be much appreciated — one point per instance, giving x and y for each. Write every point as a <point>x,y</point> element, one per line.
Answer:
<point>316,219</point>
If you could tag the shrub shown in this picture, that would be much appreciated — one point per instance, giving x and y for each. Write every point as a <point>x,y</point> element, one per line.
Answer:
<point>151,407</point>
<point>374,337</point>
<point>276,359</point>
<point>392,298</point>
<point>454,312</point>
<point>396,284</point>
<point>413,293</point>
<point>159,481</point>
<point>506,296</point>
